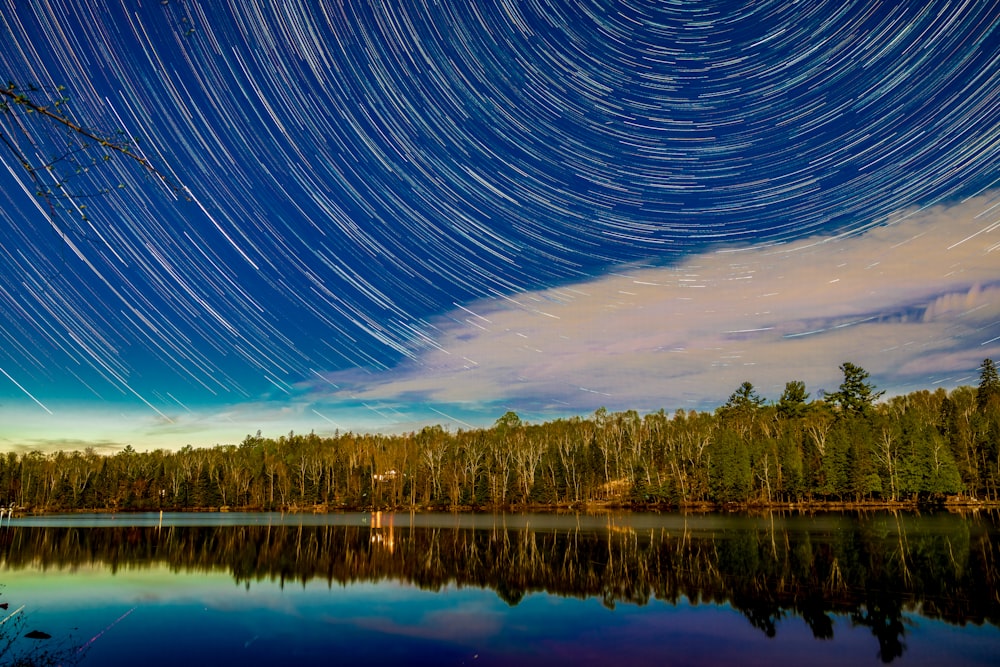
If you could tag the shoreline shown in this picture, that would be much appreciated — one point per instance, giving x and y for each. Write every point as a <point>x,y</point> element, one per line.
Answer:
<point>960,506</point>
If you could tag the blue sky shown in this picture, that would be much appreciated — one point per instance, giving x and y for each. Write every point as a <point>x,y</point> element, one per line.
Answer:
<point>408,213</point>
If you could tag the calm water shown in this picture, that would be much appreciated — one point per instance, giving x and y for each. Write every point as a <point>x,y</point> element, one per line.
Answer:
<point>525,589</point>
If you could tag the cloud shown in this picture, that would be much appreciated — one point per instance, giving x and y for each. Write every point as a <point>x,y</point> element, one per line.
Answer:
<point>916,301</point>
<point>466,623</point>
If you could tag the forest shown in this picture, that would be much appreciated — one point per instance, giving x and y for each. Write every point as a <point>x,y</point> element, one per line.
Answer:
<point>848,446</point>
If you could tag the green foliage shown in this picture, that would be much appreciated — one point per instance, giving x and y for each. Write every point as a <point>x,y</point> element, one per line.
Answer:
<point>856,394</point>
<point>792,404</point>
<point>921,446</point>
<point>730,478</point>
<point>988,391</point>
<point>835,466</point>
<point>508,421</point>
<point>745,398</point>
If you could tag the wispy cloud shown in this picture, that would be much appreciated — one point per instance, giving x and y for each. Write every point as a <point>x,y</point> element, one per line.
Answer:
<point>916,301</point>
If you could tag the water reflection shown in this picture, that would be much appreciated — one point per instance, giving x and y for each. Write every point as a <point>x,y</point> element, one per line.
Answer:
<point>871,569</point>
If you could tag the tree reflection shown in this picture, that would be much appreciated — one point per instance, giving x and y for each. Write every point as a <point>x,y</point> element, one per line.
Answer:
<point>883,615</point>
<point>872,569</point>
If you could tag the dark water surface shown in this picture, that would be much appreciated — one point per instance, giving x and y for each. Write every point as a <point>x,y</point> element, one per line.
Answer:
<point>525,589</point>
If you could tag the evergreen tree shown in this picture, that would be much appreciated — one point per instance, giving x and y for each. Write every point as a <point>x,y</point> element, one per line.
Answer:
<point>792,403</point>
<point>741,410</point>
<point>856,394</point>
<point>744,398</point>
<point>921,446</point>
<point>730,477</point>
<point>989,385</point>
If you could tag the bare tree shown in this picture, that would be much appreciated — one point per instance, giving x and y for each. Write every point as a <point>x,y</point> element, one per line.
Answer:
<point>57,151</point>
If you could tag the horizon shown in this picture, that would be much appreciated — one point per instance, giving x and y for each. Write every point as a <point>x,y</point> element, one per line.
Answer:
<point>407,215</point>
<point>111,447</point>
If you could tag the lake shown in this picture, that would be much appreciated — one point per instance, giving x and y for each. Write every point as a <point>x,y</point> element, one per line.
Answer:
<point>524,589</point>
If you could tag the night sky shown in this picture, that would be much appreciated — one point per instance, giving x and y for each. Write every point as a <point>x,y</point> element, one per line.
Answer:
<point>381,215</point>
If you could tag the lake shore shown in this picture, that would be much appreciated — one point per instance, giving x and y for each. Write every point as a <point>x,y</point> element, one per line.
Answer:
<point>956,504</point>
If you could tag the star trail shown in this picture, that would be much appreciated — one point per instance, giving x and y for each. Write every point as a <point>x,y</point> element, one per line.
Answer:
<point>377,214</point>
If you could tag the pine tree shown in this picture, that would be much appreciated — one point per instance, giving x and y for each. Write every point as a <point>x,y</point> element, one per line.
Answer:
<point>989,385</point>
<point>856,394</point>
<point>745,398</point>
<point>792,403</point>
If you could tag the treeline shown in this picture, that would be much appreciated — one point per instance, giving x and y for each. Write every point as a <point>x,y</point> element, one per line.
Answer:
<point>846,446</point>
